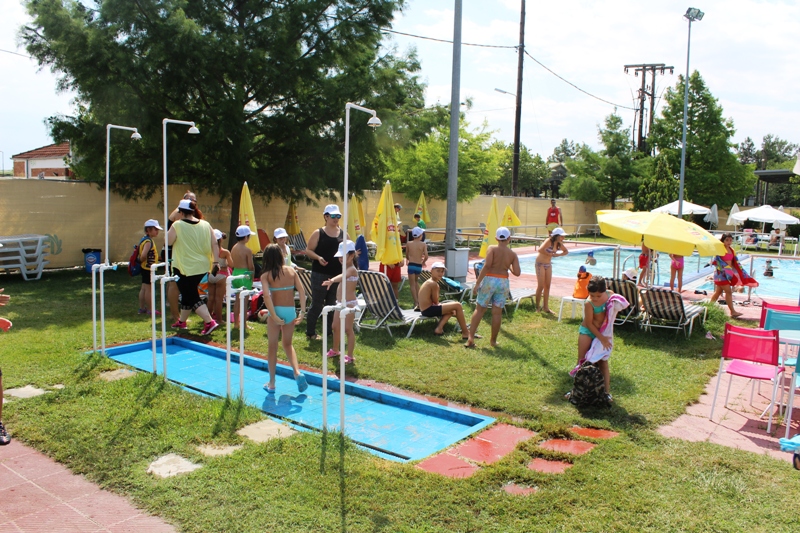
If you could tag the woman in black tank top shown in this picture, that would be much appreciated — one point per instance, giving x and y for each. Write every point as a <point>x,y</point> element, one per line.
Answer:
<point>326,248</point>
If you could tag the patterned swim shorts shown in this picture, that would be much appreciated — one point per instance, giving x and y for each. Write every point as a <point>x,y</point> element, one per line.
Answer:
<point>493,290</point>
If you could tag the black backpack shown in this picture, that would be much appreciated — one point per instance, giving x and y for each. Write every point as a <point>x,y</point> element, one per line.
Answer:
<point>588,388</point>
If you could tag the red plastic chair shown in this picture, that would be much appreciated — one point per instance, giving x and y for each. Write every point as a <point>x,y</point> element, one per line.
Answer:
<point>755,356</point>
<point>766,307</point>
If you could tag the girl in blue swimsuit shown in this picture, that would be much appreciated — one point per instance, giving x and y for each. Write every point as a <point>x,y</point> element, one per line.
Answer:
<point>279,283</point>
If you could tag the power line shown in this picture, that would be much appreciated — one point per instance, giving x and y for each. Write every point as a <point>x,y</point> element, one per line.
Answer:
<point>445,40</point>
<point>581,90</point>
<point>15,53</point>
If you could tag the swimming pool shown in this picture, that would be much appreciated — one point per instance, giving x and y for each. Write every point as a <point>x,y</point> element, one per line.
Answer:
<point>567,266</point>
<point>783,284</point>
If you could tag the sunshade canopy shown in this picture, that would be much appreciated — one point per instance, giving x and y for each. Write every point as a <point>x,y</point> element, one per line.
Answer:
<point>764,213</point>
<point>688,209</point>
<point>659,231</point>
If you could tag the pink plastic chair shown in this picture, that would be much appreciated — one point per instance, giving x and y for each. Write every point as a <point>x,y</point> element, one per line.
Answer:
<point>755,356</point>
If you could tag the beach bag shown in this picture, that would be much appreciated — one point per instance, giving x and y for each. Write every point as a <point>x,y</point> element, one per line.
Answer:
<point>588,388</point>
<point>134,266</point>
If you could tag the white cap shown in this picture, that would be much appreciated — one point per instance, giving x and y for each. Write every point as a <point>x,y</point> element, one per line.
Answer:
<point>502,233</point>
<point>630,273</point>
<point>332,209</point>
<point>438,264</point>
<point>558,231</point>
<point>185,204</point>
<point>280,232</point>
<point>417,232</point>
<point>243,231</point>
<point>217,234</point>
<point>152,223</point>
<point>351,247</point>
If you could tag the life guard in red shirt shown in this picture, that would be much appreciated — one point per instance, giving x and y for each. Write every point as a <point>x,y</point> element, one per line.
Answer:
<point>554,216</point>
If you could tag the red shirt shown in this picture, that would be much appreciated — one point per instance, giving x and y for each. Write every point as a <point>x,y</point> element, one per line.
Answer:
<point>552,215</point>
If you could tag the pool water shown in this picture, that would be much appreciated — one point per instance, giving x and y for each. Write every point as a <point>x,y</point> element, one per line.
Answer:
<point>568,266</point>
<point>783,283</point>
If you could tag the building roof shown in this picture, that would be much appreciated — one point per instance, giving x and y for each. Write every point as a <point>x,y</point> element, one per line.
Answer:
<point>45,152</point>
<point>774,176</point>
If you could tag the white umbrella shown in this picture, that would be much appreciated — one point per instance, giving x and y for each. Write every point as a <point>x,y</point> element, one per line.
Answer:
<point>764,213</point>
<point>688,209</point>
<point>733,211</point>
<point>713,216</point>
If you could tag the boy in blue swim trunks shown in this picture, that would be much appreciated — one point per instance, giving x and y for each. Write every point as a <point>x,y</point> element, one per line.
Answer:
<point>492,286</point>
<point>416,256</point>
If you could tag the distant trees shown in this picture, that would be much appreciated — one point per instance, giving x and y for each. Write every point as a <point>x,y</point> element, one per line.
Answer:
<point>657,189</point>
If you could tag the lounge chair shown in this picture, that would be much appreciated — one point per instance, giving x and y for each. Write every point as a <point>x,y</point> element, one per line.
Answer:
<point>445,289</point>
<point>628,290</point>
<point>664,308</point>
<point>382,309</point>
<point>305,281</point>
<point>297,245</point>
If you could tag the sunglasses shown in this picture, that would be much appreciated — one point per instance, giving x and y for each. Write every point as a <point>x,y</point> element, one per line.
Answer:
<point>335,216</point>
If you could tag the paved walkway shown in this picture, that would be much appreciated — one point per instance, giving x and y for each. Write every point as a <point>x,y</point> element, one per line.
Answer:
<point>39,495</point>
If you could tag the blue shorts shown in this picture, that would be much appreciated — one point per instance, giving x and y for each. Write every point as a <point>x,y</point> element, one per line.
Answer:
<point>414,268</point>
<point>493,290</point>
<point>285,313</point>
<point>583,330</point>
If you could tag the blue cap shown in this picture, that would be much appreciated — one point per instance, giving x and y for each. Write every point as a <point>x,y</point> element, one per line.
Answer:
<point>590,254</point>
<point>582,269</point>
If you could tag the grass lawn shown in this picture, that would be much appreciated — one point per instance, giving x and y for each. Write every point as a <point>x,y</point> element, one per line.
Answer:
<point>639,481</point>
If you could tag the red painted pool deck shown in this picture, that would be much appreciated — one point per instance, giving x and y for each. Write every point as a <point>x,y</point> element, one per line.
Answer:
<point>39,495</point>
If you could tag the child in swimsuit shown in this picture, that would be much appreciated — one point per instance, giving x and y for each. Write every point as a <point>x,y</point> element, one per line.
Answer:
<point>216,282</point>
<point>416,256</point>
<point>351,277</point>
<point>242,262</point>
<point>279,282</point>
<point>594,314</point>
<point>676,270</point>
<point>644,265</point>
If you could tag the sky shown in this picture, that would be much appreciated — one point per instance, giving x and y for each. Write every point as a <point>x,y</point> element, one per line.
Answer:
<point>746,50</point>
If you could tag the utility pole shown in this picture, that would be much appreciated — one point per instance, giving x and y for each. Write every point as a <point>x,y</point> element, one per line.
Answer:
<point>644,68</point>
<point>518,112</point>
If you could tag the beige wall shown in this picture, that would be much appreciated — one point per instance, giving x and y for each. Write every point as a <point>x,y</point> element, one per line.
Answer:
<point>72,214</point>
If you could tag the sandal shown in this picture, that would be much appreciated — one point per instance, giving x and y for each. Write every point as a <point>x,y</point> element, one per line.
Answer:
<point>4,438</point>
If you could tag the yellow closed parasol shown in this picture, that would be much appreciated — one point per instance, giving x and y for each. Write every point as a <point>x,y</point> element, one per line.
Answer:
<point>385,231</point>
<point>354,219</point>
<point>247,217</point>
<point>659,231</point>
<point>292,224</point>
<point>422,209</point>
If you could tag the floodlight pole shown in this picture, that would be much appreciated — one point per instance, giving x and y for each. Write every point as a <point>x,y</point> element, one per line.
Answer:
<point>452,167</point>
<point>691,15</point>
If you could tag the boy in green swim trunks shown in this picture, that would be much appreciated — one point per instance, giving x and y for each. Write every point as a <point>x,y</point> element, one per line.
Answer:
<point>242,258</point>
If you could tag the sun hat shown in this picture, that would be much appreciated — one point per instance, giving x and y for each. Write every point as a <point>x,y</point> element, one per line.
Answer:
<point>280,232</point>
<point>243,231</point>
<point>417,232</point>
<point>438,264</point>
<point>217,234</point>
<point>332,209</point>
<point>559,231</point>
<point>152,223</point>
<point>351,247</point>
<point>502,233</point>
<point>185,204</point>
<point>398,206</point>
<point>631,273</point>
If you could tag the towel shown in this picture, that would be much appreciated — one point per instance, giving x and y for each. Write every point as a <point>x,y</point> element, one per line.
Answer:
<point>597,352</point>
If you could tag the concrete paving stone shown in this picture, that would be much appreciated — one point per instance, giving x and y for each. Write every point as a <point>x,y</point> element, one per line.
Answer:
<point>114,375</point>
<point>9,478</point>
<point>58,386</point>
<point>142,524</point>
<point>14,449</point>
<point>574,447</point>
<point>105,508</point>
<point>266,430</point>
<point>59,518</point>
<point>212,450</point>
<point>448,465</point>
<point>34,466</point>
<point>171,465</point>
<point>592,433</point>
<point>28,391</point>
<point>548,467</point>
<point>493,444</point>
<point>25,499</point>
<point>519,490</point>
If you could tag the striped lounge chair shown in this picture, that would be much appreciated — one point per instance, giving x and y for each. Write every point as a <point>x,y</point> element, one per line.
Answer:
<point>628,290</point>
<point>297,245</point>
<point>664,308</point>
<point>382,309</point>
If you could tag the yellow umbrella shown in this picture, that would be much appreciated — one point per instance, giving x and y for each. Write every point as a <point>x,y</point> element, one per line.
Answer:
<point>292,224</point>
<point>385,231</point>
<point>492,223</point>
<point>361,219</point>
<point>353,219</point>
<point>659,231</point>
<point>247,217</point>
<point>422,209</point>
<point>510,218</point>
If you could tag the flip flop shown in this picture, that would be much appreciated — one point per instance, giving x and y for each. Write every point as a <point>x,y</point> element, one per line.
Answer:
<point>269,390</point>
<point>470,346</point>
<point>476,336</point>
<point>5,324</point>
<point>302,384</point>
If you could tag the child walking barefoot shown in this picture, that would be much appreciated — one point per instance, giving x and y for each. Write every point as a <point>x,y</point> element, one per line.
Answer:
<point>279,283</point>
<point>147,256</point>
<point>351,300</point>
<point>594,314</point>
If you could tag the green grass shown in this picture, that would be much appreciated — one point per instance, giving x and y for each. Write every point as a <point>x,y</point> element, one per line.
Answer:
<point>639,481</point>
